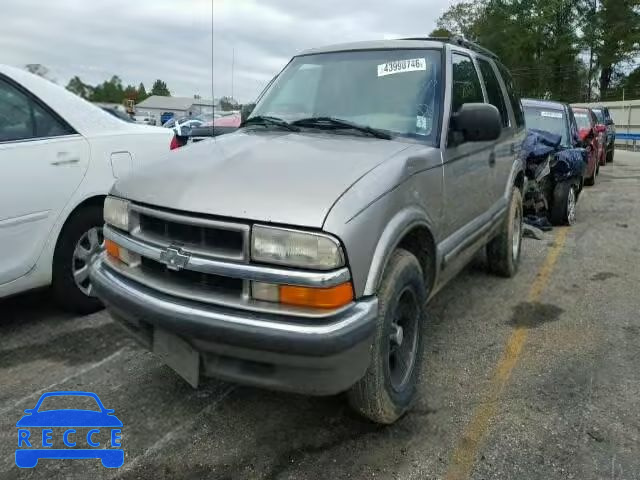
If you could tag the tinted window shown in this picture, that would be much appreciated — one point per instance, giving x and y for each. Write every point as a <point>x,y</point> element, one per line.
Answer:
<point>466,84</point>
<point>513,98</point>
<point>494,92</point>
<point>46,124</point>
<point>549,120</point>
<point>23,118</point>
<point>16,120</point>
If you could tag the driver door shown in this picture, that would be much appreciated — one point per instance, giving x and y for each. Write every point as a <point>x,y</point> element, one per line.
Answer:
<point>468,179</point>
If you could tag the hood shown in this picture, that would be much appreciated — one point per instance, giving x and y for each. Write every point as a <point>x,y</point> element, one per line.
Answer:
<point>272,176</point>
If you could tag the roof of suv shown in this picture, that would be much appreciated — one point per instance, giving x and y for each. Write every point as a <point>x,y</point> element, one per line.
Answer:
<point>375,45</point>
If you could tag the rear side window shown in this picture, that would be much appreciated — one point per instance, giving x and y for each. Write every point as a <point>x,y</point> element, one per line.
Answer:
<point>16,119</point>
<point>23,118</point>
<point>466,83</point>
<point>494,91</point>
<point>516,105</point>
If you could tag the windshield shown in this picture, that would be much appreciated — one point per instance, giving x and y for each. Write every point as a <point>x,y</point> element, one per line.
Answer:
<point>549,120</point>
<point>396,91</point>
<point>582,119</point>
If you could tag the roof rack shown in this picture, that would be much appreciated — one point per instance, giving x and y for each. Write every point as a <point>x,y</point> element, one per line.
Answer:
<point>461,42</point>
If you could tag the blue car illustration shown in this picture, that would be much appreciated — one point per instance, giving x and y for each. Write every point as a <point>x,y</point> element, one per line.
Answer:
<point>40,447</point>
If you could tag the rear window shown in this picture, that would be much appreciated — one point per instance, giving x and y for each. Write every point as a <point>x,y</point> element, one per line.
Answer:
<point>582,119</point>
<point>599,115</point>
<point>548,119</point>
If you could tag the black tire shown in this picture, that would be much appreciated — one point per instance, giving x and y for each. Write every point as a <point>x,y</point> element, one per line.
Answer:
<point>560,213</point>
<point>378,396</point>
<point>65,291</point>
<point>591,181</point>
<point>503,254</point>
<point>610,155</point>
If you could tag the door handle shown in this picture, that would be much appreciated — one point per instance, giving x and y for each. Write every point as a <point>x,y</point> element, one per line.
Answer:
<point>65,158</point>
<point>492,159</point>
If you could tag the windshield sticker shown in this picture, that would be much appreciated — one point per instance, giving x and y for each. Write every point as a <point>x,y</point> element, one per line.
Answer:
<point>402,66</point>
<point>423,125</point>
<point>551,114</point>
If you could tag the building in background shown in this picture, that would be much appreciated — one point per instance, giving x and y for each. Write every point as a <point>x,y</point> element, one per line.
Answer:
<point>156,107</point>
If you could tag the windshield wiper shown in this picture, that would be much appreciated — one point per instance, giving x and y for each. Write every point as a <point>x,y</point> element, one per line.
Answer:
<point>268,120</point>
<point>331,122</point>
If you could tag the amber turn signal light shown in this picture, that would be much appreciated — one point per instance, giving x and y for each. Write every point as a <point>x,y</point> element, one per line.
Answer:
<point>333,297</point>
<point>113,250</point>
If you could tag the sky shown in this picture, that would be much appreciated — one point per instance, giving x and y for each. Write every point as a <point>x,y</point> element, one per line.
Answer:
<point>190,44</point>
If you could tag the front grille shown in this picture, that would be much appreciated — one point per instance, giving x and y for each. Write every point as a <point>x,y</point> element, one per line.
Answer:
<point>196,234</point>
<point>190,278</point>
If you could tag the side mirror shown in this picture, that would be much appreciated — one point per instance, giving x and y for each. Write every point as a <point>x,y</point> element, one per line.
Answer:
<point>246,110</point>
<point>478,122</point>
<point>600,128</point>
<point>610,122</point>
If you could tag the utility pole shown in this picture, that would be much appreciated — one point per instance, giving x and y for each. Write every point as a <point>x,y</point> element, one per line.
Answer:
<point>233,62</point>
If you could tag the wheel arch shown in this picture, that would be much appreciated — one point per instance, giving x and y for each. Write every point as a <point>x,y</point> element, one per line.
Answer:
<point>412,230</point>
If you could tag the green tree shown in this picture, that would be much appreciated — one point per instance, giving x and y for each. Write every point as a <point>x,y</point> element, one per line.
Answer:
<point>440,33</point>
<point>80,88</point>
<point>110,91</point>
<point>160,88</point>
<point>142,92</point>
<point>617,23</point>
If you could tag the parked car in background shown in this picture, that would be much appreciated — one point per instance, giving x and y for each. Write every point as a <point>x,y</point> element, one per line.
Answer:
<point>299,252</point>
<point>591,132</point>
<point>604,117</point>
<point>558,118</point>
<point>60,155</point>
<point>144,119</point>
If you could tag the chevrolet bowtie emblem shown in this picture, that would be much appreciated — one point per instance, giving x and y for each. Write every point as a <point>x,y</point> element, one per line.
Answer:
<point>174,258</point>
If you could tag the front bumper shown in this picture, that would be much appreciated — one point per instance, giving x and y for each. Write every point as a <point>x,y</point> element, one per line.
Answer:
<point>305,355</point>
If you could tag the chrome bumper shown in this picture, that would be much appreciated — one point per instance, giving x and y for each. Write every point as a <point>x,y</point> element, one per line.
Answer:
<point>320,356</point>
<point>312,336</point>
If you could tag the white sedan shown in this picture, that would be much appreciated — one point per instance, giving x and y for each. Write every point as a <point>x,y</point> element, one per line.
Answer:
<point>59,157</point>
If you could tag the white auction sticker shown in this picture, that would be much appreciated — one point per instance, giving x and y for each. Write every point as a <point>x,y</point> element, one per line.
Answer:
<point>402,66</point>
<point>551,114</point>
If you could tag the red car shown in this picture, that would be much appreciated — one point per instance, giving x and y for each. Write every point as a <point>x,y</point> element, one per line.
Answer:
<point>592,133</point>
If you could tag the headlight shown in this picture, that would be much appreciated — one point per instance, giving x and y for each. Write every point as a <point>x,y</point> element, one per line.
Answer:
<point>295,249</point>
<point>116,212</point>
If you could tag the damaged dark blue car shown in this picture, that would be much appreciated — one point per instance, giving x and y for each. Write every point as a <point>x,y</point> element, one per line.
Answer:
<point>555,176</point>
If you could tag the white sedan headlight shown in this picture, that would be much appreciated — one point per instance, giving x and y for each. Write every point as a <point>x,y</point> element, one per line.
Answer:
<point>116,212</point>
<point>295,249</point>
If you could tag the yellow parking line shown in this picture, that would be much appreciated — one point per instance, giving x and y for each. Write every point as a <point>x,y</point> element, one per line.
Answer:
<point>466,451</point>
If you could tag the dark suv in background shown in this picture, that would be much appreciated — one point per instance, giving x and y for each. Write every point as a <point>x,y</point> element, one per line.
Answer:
<point>604,118</point>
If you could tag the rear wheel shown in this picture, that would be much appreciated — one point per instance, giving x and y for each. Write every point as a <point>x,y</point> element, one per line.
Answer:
<point>80,242</point>
<point>388,387</point>
<point>503,252</point>
<point>591,181</point>
<point>563,209</point>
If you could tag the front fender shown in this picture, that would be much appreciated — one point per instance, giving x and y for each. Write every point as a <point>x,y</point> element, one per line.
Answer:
<point>401,224</point>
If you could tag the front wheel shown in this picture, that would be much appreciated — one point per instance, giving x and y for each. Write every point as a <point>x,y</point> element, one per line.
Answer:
<point>80,242</point>
<point>563,209</point>
<point>503,252</point>
<point>610,155</point>
<point>388,387</point>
